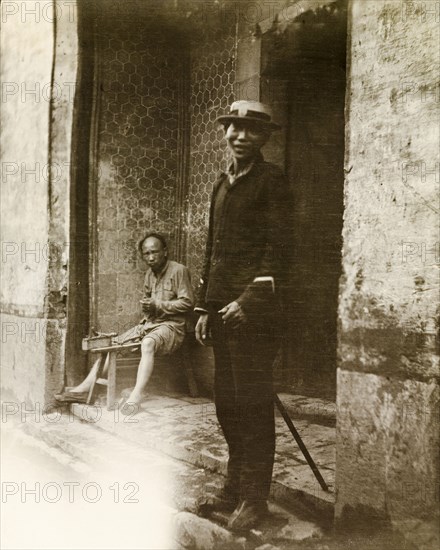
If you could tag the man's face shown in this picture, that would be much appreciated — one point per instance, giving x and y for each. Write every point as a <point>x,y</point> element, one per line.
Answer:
<point>245,140</point>
<point>154,253</point>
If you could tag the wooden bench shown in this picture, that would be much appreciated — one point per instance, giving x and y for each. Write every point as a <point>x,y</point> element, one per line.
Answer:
<point>106,362</point>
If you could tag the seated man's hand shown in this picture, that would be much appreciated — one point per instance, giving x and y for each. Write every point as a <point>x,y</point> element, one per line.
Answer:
<point>146,305</point>
<point>233,316</point>
<point>202,329</point>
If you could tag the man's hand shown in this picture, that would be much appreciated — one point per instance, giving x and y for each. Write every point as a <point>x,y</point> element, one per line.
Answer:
<point>146,305</point>
<point>202,329</point>
<point>233,316</point>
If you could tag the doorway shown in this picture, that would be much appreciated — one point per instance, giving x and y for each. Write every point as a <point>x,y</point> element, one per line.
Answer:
<point>130,150</point>
<point>306,60</point>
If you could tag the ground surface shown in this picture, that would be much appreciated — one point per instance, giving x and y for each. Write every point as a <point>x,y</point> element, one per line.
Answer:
<point>68,483</point>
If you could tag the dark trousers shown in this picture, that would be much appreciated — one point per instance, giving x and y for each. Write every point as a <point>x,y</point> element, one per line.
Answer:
<point>244,403</point>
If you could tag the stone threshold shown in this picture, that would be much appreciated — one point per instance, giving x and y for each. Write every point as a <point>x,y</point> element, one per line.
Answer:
<point>314,409</point>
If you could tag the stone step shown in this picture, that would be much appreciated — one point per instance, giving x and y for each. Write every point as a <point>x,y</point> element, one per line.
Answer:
<point>186,429</point>
<point>319,411</point>
<point>101,456</point>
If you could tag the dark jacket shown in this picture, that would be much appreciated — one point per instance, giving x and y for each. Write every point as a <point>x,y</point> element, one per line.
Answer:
<point>251,241</point>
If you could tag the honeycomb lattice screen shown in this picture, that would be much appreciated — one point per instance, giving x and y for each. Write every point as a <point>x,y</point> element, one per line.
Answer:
<point>137,164</point>
<point>212,90</point>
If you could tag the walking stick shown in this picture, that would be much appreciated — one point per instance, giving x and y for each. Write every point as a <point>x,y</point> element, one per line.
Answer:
<point>300,442</point>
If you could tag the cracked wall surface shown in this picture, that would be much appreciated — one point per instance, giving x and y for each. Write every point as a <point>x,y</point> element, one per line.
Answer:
<point>388,394</point>
<point>35,143</point>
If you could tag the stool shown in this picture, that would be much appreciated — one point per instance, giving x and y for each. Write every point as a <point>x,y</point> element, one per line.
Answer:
<point>106,361</point>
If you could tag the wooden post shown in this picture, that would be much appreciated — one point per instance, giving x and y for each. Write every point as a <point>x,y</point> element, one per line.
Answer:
<point>111,381</point>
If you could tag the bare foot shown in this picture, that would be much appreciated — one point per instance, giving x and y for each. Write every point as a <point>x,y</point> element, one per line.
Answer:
<point>79,389</point>
<point>126,392</point>
<point>130,409</point>
<point>132,404</point>
<point>135,397</point>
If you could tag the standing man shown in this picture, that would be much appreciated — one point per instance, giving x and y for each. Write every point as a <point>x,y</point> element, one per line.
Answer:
<point>239,306</point>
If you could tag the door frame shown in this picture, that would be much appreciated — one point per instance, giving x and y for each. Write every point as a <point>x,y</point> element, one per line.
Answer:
<point>79,300</point>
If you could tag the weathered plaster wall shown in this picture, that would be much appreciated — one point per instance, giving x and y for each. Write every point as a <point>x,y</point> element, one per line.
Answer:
<point>388,398</point>
<point>25,73</point>
<point>35,149</point>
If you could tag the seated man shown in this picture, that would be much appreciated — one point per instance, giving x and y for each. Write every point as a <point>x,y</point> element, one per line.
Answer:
<point>168,296</point>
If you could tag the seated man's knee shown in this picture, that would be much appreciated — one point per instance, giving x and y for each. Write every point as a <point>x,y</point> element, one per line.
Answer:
<point>147,345</point>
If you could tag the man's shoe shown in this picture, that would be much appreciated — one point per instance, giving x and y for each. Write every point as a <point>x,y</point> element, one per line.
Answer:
<point>224,501</point>
<point>247,515</point>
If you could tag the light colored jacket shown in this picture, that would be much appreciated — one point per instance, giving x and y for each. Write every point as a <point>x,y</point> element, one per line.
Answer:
<point>171,293</point>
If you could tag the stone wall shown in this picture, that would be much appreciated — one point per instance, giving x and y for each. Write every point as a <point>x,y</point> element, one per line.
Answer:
<point>387,393</point>
<point>37,107</point>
